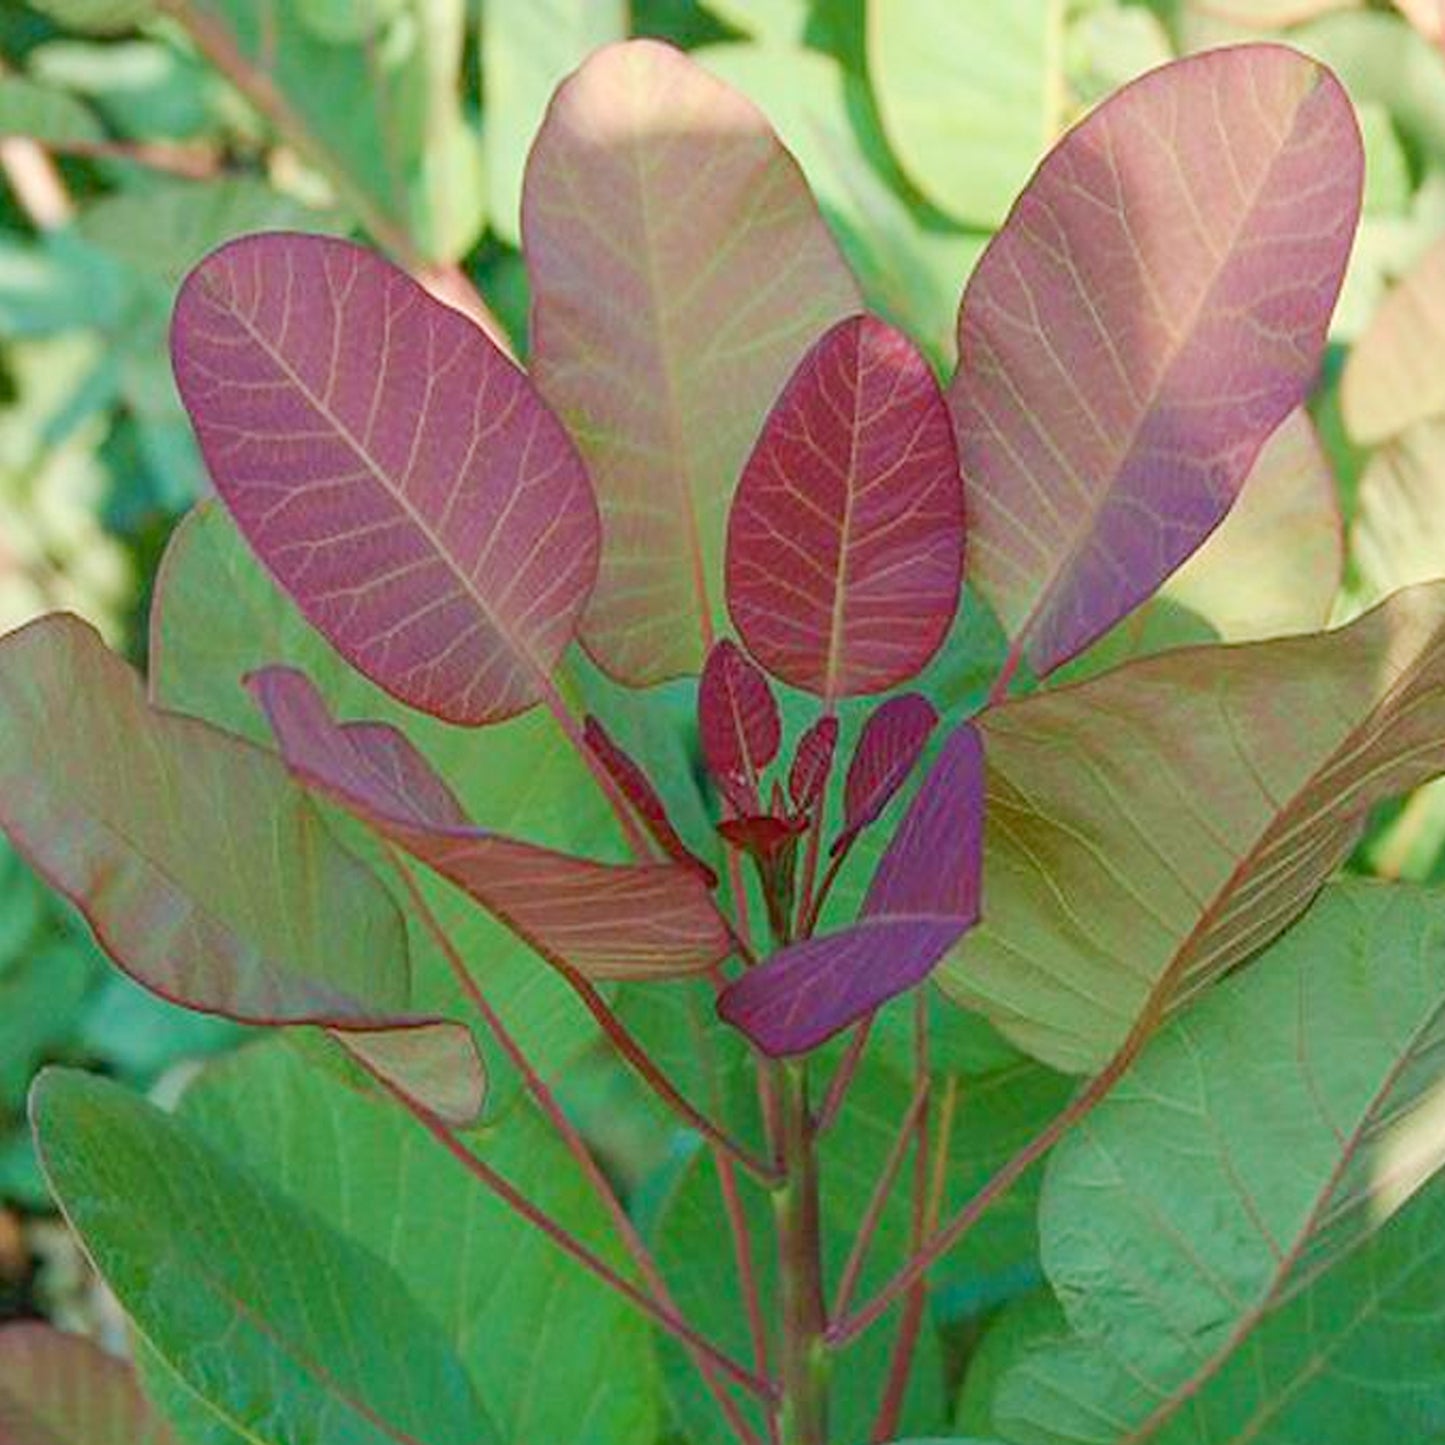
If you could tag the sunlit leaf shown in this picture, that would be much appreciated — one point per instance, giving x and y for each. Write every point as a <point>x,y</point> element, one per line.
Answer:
<point>1398,534</point>
<point>1152,828</point>
<point>845,539</point>
<point>103,17</point>
<point>967,94</point>
<point>738,722</point>
<point>1391,379</point>
<point>679,271</point>
<point>602,920</point>
<point>60,1389</point>
<point>435,521</point>
<point>44,113</point>
<point>528,48</point>
<point>924,895</point>
<point>204,872</point>
<point>435,1063</point>
<point>1153,309</point>
<point>1246,1157</point>
<point>286,1328</point>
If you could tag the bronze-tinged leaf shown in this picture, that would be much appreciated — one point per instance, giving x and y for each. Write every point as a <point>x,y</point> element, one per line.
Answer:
<point>679,271</point>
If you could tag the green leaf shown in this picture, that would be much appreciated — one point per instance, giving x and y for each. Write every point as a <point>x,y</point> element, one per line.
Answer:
<point>43,113</point>
<point>161,231</point>
<point>58,1389</point>
<point>783,21</point>
<point>289,1330</point>
<point>1206,1227</point>
<point>188,1414</point>
<point>203,870</point>
<point>101,17</point>
<point>518,777</point>
<point>966,90</point>
<point>1020,1327</point>
<point>525,1321</point>
<point>1151,828</point>
<point>344,22</point>
<point>40,998</point>
<point>910,272</point>
<point>528,48</point>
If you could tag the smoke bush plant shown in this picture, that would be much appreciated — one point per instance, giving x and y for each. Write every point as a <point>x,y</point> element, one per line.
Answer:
<point>452,855</point>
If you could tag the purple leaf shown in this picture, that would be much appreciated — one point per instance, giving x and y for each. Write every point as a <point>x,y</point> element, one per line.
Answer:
<point>889,745</point>
<point>637,788</point>
<point>1152,310</point>
<point>601,920</point>
<point>845,539</point>
<point>812,762</point>
<point>737,717</point>
<point>396,473</point>
<point>923,898</point>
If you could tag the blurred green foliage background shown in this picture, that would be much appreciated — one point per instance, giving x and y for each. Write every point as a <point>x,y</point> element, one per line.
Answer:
<point>135,135</point>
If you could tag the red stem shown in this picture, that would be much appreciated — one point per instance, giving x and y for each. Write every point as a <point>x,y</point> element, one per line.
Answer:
<point>557,1117</point>
<point>843,1074</point>
<point>901,1365</point>
<point>873,1212</point>
<point>942,1240</point>
<point>642,1063</point>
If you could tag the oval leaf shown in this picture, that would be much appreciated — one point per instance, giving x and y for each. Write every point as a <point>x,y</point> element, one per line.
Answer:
<point>891,742</point>
<point>602,920</point>
<point>1398,535</point>
<point>436,1064</point>
<point>1249,1212</point>
<point>395,472</point>
<point>845,540</point>
<point>58,1389</point>
<point>679,270</point>
<point>1153,308</point>
<point>1152,828</point>
<point>924,895</point>
<point>1393,377</point>
<point>283,1326</point>
<point>738,720</point>
<point>205,873</point>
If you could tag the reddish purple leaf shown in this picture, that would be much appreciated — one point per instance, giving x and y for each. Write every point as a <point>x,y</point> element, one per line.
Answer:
<point>889,745</point>
<point>1152,310</point>
<point>737,717</point>
<point>396,473</point>
<point>812,762</point>
<point>923,898</point>
<point>845,539</point>
<point>601,920</point>
<point>637,788</point>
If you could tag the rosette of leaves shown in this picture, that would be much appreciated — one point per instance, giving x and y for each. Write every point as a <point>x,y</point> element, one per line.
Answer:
<point>628,705</point>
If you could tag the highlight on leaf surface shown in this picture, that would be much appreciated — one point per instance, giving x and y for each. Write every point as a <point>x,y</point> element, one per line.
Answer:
<point>205,873</point>
<point>1150,829</point>
<point>923,897</point>
<point>1286,1231</point>
<point>845,539</point>
<point>399,477</point>
<point>1153,308</point>
<point>679,270</point>
<point>601,920</point>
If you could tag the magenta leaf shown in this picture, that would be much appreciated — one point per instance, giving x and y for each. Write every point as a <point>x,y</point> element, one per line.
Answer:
<point>812,762</point>
<point>923,898</point>
<point>601,920</point>
<point>395,472</point>
<point>891,742</point>
<point>762,837</point>
<point>845,540</point>
<point>637,788</point>
<point>1152,310</point>
<point>737,717</point>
